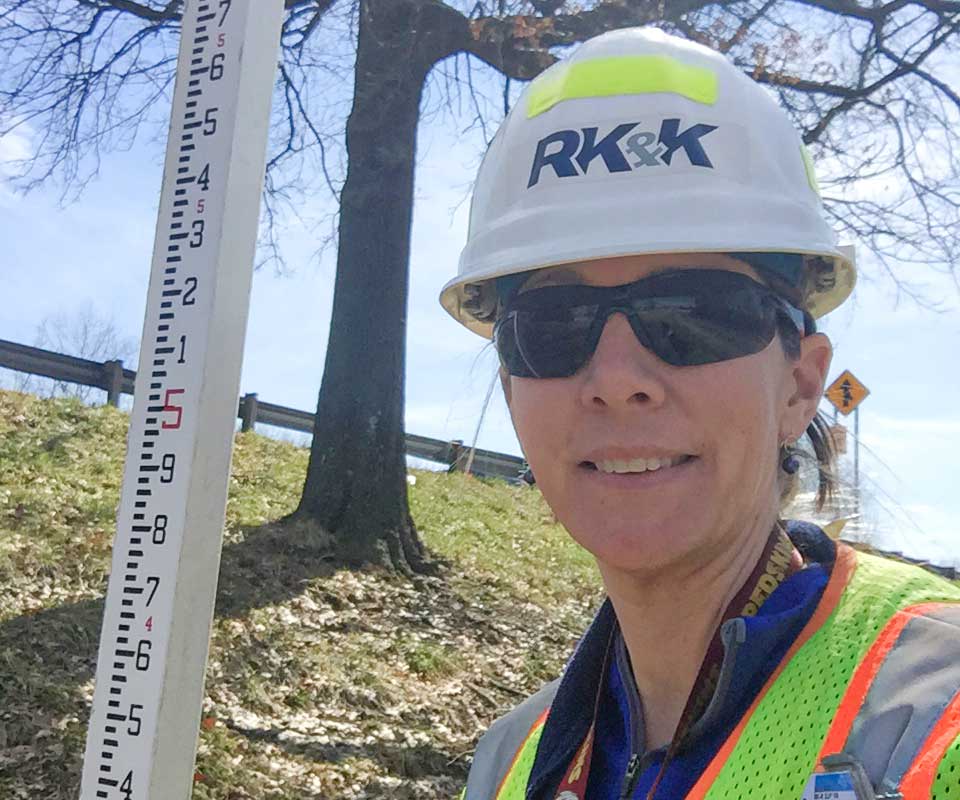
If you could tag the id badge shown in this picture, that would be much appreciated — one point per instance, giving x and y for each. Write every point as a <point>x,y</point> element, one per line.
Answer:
<point>839,777</point>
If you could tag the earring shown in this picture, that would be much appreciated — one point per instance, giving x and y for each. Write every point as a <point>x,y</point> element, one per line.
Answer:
<point>790,463</point>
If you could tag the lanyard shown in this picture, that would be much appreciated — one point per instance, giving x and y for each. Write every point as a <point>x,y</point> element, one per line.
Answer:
<point>778,561</point>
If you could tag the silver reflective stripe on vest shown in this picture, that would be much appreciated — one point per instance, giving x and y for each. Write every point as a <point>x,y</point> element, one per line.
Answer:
<point>497,747</point>
<point>916,681</point>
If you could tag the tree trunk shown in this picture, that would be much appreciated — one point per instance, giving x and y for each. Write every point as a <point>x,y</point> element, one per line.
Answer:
<point>356,488</point>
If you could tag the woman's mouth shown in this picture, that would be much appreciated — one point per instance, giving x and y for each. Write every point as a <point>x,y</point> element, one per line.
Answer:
<point>620,466</point>
<point>635,465</point>
<point>637,473</point>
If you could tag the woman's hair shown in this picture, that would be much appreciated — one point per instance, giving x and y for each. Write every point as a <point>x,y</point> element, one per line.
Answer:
<point>823,458</point>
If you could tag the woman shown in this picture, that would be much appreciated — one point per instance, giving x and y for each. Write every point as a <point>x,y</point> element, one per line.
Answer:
<point>648,250</point>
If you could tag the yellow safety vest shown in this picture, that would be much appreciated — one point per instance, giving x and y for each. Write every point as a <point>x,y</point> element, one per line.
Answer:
<point>875,674</point>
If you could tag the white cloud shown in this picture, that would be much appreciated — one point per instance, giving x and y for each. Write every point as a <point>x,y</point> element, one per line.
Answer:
<point>13,147</point>
<point>911,427</point>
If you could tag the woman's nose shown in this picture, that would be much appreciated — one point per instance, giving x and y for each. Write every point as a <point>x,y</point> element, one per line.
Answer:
<point>622,372</point>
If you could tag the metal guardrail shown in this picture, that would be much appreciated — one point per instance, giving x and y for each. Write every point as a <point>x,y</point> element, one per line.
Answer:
<point>108,375</point>
<point>115,381</point>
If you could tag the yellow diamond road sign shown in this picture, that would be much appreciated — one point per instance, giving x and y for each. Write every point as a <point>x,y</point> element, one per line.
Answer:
<point>846,392</point>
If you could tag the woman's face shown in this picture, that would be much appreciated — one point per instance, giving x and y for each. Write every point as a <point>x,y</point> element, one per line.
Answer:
<point>726,419</point>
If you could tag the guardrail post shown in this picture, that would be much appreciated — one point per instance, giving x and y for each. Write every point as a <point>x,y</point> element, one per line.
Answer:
<point>248,412</point>
<point>113,381</point>
<point>456,454</point>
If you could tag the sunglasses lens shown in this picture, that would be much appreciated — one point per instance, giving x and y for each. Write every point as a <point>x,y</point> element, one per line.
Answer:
<point>549,342</point>
<point>706,329</point>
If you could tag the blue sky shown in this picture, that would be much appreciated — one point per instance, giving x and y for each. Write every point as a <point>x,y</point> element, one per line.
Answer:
<point>97,251</point>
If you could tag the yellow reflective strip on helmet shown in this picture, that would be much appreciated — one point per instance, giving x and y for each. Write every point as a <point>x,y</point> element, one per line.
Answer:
<point>603,77</point>
<point>808,166</point>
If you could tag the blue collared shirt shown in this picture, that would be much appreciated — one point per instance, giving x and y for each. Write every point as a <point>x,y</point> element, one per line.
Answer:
<point>753,647</point>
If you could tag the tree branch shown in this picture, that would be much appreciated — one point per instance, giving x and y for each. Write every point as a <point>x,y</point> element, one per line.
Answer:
<point>169,13</point>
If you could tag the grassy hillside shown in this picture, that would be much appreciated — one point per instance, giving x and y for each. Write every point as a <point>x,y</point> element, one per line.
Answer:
<point>321,683</point>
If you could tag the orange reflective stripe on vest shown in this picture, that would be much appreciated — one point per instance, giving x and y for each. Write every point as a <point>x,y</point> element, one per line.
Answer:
<point>921,726</point>
<point>917,784</point>
<point>863,678</point>
<point>537,725</point>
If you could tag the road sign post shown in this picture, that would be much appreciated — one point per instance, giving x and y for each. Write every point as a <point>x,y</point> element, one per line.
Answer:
<point>142,738</point>
<point>846,394</point>
<point>856,452</point>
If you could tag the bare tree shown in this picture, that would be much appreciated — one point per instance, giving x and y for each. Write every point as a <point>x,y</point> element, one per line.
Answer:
<point>82,333</point>
<point>867,82</point>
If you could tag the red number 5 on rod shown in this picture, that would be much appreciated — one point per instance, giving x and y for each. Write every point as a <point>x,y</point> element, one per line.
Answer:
<point>168,406</point>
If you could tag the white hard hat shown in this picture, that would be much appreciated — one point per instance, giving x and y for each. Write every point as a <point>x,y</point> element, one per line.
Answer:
<point>640,143</point>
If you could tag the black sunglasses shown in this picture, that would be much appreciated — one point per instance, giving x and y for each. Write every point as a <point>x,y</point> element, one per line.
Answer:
<point>686,317</point>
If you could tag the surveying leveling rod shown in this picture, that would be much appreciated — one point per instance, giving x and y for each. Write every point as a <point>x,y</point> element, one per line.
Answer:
<point>142,738</point>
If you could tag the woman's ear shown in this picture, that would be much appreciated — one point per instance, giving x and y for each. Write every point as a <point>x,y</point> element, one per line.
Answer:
<point>809,378</point>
